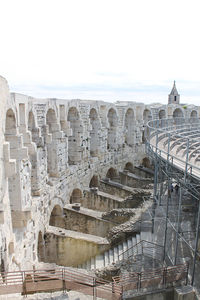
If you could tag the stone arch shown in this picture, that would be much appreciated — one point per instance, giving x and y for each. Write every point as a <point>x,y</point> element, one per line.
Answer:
<point>178,113</point>
<point>162,114</point>
<point>129,127</point>
<point>76,196</point>
<point>52,124</point>
<point>112,174</point>
<point>10,126</point>
<point>35,181</point>
<point>128,167</point>
<point>74,140</point>
<point>147,116</point>
<point>56,217</point>
<point>32,127</point>
<point>146,162</point>
<point>112,128</point>
<point>51,120</point>
<point>94,182</point>
<point>41,247</point>
<point>14,184</point>
<point>193,114</point>
<point>94,136</point>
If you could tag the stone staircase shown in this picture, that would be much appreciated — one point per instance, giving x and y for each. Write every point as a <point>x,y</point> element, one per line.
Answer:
<point>132,246</point>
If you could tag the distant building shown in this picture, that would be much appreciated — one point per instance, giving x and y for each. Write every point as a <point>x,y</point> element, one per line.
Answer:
<point>174,97</point>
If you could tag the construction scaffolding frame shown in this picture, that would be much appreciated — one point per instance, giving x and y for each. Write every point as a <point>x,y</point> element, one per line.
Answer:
<point>174,146</point>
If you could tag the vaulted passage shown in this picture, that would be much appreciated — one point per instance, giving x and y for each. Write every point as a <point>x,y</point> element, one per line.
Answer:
<point>35,174</point>
<point>112,174</point>
<point>129,127</point>
<point>74,141</point>
<point>13,181</point>
<point>177,113</point>
<point>41,247</point>
<point>129,167</point>
<point>193,114</point>
<point>76,196</point>
<point>94,182</point>
<point>162,114</point>
<point>112,129</point>
<point>53,127</point>
<point>56,218</point>
<point>94,133</point>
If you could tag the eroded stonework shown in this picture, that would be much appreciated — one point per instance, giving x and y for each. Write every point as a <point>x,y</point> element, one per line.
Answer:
<point>52,151</point>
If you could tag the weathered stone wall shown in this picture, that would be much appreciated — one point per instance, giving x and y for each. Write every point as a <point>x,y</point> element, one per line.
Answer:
<point>48,148</point>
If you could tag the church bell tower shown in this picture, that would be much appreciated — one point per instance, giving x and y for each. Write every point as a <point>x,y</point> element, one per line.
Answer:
<point>174,97</point>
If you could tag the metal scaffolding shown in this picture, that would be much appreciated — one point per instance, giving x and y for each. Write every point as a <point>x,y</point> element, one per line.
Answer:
<point>174,146</point>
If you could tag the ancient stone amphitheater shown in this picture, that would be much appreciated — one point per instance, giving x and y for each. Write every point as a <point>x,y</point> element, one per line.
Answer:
<point>72,173</point>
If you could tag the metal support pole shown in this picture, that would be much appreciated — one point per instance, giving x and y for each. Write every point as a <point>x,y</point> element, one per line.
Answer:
<point>186,162</point>
<point>196,245</point>
<point>168,150</point>
<point>166,220</point>
<point>94,289</point>
<point>156,168</point>
<point>178,225</point>
<point>161,188</point>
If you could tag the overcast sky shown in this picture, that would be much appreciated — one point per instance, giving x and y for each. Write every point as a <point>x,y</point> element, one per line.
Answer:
<point>101,49</point>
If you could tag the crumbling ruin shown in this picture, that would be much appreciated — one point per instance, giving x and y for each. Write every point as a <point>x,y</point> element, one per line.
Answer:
<point>65,165</point>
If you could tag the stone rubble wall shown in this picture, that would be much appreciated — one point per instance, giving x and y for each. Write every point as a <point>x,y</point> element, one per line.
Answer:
<point>48,148</point>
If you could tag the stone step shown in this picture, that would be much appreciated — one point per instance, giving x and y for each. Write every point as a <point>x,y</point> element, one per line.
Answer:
<point>99,261</point>
<point>125,247</point>
<point>115,252</point>
<point>120,250</point>
<point>106,258</point>
<point>111,256</point>
<point>139,246</point>
<point>130,245</point>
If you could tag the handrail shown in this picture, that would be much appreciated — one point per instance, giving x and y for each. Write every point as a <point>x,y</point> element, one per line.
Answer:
<point>170,128</point>
<point>136,245</point>
<point>148,278</point>
<point>31,277</point>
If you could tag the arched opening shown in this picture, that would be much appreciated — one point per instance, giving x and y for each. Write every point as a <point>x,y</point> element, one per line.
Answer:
<point>177,113</point>
<point>35,181</point>
<point>52,124</point>
<point>74,141</point>
<point>193,114</point>
<point>112,129</point>
<point>146,162</point>
<point>14,184</point>
<point>128,167</point>
<point>56,218</point>
<point>10,128</point>
<point>76,196</point>
<point>51,120</point>
<point>147,115</point>
<point>129,127</point>
<point>32,127</point>
<point>41,247</point>
<point>94,182</point>
<point>162,114</point>
<point>94,137</point>
<point>112,174</point>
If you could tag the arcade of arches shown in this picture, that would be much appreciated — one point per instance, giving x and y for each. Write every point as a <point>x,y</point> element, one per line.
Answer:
<point>64,165</point>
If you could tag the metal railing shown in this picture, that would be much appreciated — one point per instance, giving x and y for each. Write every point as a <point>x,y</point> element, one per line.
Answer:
<point>144,248</point>
<point>153,279</point>
<point>174,129</point>
<point>34,281</point>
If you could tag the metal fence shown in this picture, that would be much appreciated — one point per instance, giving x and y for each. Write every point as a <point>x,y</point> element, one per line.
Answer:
<point>35,281</point>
